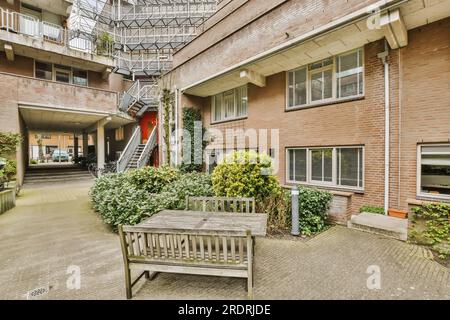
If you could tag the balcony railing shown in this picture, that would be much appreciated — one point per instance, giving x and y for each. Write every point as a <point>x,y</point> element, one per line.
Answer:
<point>19,23</point>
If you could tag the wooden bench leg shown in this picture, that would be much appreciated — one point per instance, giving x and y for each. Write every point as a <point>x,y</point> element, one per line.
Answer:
<point>151,275</point>
<point>128,283</point>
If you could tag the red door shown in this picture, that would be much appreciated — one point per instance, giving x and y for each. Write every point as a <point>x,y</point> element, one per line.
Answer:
<point>147,123</point>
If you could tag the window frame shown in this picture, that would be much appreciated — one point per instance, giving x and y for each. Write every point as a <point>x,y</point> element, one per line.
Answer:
<point>333,184</point>
<point>222,111</point>
<point>419,193</point>
<point>334,99</point>
<point>54,70</point>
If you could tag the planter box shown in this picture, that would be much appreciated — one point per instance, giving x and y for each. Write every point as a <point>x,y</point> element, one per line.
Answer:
<point>398,213</point>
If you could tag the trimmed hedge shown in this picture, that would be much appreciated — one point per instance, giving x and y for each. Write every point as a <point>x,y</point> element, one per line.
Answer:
<point>124,198</point>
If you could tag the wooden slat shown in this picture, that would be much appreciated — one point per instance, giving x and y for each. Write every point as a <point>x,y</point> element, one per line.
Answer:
<point>150,244</point>
<point>217,247</point>
<point>186,245</point>
<point>209,248</point>
<point>130,244</point>
<point>180,246</point>
<point>164,244</point>
<point>172,245</point>
<point>144,243</point>
<point>158,246</point>
<point>241,250</point>
<point>194,246</point>
<point>225,249</point>
<point>202,248</point>
<point>233,250</point>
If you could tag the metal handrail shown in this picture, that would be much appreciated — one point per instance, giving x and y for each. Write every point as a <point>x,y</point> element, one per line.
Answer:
<point>149,146</point>
<point>127,153</point>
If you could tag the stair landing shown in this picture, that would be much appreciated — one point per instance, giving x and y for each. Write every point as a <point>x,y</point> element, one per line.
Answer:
<point>380,224</point>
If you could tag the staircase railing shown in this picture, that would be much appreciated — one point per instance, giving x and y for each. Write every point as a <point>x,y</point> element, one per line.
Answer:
<point>127,153</point>
<point>149,146</point>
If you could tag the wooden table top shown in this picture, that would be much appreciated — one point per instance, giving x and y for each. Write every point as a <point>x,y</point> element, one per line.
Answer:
<point>211,221</point>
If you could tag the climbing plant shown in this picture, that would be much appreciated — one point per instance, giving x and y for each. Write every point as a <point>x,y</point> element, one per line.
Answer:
<point>8,143</point>
<point>190,117</point>
<point>165,99</point>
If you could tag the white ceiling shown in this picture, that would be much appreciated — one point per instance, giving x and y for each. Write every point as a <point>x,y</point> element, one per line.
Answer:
<point>46,119</point>
<point>415,13</point>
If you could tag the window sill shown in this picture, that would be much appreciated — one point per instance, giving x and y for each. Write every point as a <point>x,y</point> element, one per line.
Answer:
<point>324,103</point>
<point>229,120</point>
<point>331,188</point>
<point>422,199</point>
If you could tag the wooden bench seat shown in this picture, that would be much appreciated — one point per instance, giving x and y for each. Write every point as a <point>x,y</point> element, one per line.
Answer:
<point>214,253</point>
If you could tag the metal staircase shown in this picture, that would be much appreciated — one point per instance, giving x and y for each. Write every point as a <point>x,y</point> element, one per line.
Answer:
<point>140,97</point>
<point>137,155</point>
<point>133,163</point>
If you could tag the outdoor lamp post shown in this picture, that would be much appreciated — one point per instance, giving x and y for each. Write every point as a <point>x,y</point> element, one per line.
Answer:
<point>295,228</point>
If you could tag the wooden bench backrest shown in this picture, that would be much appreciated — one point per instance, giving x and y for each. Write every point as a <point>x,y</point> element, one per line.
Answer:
<point>178,246</point>
<point>221,204</point>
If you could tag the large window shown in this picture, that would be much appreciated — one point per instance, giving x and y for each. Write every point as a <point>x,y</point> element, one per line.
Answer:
<point>61,73</point>
<point>332,166</point>
<point>229,105</point>
<point>434,170</point>
<point>331,79</point>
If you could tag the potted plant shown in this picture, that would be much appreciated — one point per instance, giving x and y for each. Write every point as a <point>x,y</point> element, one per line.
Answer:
<point>397,213</point>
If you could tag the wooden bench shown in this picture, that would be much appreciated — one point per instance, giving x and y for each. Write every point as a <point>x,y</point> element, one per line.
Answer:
<point>221,204</point>
<point>202,252</point>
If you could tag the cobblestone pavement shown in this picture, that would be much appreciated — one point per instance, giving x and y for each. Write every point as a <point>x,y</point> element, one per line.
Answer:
<point>53,228</point>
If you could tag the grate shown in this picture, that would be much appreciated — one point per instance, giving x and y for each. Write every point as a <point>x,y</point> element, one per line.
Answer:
<point>36,293</point>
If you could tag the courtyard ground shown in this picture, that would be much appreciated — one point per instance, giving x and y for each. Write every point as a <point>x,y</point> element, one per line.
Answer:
<point>53,232</point>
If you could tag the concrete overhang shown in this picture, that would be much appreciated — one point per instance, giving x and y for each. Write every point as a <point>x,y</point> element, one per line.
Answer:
<point>61,7</point>
<point>337,37</point>
<point>40,49</point>
<point>47,118</point>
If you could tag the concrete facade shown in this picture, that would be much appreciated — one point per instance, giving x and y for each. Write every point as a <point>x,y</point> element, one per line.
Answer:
<point>418,90</point>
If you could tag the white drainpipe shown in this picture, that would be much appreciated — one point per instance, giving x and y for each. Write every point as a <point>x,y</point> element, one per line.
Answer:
<point>383,56</point>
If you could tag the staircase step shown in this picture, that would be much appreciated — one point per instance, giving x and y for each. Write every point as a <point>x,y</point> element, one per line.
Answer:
<point>380,224</point>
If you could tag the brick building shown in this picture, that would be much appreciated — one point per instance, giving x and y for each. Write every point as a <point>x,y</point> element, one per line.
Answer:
<point>358,92</point>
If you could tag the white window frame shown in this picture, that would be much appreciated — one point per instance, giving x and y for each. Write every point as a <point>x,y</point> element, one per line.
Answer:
<point>333,184</point>
<point>419,174</point>
<point>229,118</point>
<point>334,98</point>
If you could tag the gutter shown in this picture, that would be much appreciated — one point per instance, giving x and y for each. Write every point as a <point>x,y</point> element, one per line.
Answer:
<point>382,5</point>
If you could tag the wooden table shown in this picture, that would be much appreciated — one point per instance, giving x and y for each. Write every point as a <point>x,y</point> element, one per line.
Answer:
<point>211,221</point>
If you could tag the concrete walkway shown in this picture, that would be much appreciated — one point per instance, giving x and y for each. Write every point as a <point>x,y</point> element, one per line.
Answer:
<point>53,231</point>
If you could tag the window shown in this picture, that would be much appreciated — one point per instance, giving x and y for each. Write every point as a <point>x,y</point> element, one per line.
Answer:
<point>80,77</point>
<point>119,134</point>
<point>330,79</point>
<point>229,105</point>
<point>43,70</point>
<point>333,166</point>
<point>434,170</point>
<point>61,73</point>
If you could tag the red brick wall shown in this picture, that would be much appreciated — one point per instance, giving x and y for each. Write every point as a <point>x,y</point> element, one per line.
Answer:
<point>425,97</point>
<point>419,111</point>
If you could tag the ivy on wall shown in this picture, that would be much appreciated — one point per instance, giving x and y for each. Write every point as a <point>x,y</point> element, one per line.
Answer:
<point>165,99</point>
<point>190,117</point>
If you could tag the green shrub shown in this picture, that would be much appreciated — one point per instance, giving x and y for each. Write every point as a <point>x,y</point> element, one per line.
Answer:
<point>371,209</point>
<point>278,209</point>
<point>430,226</point>
<point>313,209</point>
<point>245,174</point>
<point>152,179</point>
<point>123,198</point>
<point>118,201</point>
<point>9,143</point>
<point>189,184</point>
<point>190,117</point>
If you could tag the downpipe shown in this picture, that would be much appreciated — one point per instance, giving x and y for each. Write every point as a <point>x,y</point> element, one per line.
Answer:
<point>383,57</point>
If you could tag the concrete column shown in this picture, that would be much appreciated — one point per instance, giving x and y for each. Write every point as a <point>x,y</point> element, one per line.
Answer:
<point>100,146</point>
<point>85,144</point>
<point>75,146</point>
